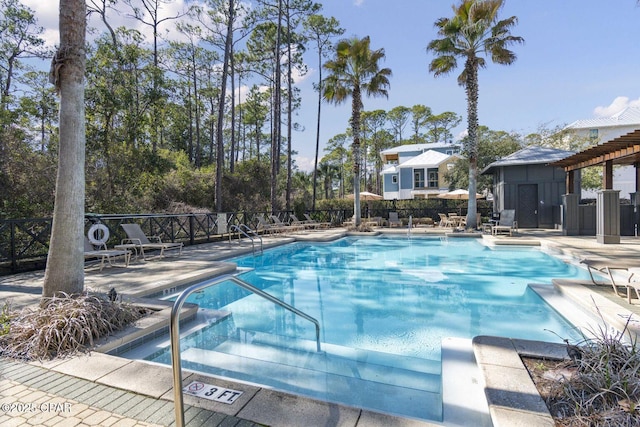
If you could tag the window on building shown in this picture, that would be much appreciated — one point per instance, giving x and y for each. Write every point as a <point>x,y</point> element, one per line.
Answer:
<point>394,179</point>
<point>433,178</point>
<point>418,178</point>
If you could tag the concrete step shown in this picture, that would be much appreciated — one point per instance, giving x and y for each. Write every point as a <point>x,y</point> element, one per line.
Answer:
<point>323,376</point>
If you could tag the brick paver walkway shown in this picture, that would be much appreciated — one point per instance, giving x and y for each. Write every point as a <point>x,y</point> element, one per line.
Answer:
<point>35,396</point>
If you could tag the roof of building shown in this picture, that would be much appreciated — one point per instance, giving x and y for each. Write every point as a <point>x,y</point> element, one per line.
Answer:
<point>531,155</point>
<point>630,116</point>
<point>430,158</point>
<point>417,147</point>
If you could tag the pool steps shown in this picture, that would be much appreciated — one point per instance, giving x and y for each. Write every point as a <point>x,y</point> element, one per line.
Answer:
<point>380,381</point>
<point>378,387</point>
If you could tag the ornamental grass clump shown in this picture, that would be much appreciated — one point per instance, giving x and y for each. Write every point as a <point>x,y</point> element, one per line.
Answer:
<point>604,389</point>
<point>64,325</point>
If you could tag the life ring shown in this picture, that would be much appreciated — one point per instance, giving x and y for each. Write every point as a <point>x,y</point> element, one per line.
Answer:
<point>98,234</point>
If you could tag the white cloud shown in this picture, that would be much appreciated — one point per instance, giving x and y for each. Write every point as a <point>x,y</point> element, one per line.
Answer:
<point>618,104</point>
<point>358,2</point>
<point>305,164</point>
<point>47,15</point>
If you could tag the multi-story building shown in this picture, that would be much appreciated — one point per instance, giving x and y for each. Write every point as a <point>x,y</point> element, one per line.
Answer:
<point>416,171</point>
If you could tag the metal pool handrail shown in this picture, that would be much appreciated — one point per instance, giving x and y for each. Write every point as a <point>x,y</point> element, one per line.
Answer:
<point>247,232</point>
<point>174,331</point>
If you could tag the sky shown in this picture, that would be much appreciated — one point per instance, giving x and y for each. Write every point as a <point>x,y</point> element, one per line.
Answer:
<point>580,60</point>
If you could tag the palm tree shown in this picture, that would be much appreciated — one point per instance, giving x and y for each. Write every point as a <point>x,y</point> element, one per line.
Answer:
<point>355,70</point>
<point>328,173</point>
<point>473,31</point>
<point>65,262</point>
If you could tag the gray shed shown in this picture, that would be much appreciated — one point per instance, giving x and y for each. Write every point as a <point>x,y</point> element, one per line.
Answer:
<point>524,181</point>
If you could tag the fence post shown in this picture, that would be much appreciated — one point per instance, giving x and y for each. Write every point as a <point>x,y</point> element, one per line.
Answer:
<point>14,261</point>
<point>191,227</point>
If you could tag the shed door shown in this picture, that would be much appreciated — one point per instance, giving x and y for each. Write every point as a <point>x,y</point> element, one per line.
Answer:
<point>527,211</point>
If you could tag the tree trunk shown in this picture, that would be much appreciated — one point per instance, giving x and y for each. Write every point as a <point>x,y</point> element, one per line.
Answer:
<point>232,148</point>
<point>315,161</point>
<point>471,88</point>
<point>223,95</point>
<point>65,262</point>
<point>277,110</point>
<point>196,106</point>
<point>289,109</point>
<point>355,126</point>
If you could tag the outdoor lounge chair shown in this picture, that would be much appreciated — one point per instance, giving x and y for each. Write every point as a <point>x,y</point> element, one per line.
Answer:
<point>308,223</point>
<point>285,226</point>
<point>317,224</point>
<point>394,221</point>
<point>136,239</point>
<point>268,227</point>
<point>506,224</point>
<point>304,223</point>
<point>108,255</point>
<point>608,268</point>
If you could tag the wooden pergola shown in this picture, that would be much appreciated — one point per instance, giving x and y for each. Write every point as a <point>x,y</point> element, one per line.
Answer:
<point>623,150</point>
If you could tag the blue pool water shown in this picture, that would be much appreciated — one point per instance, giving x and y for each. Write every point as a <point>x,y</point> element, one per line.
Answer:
<point>384,305</point>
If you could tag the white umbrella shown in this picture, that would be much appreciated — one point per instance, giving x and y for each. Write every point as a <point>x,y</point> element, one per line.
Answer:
<point>365,195</point>
<point>458,194</point>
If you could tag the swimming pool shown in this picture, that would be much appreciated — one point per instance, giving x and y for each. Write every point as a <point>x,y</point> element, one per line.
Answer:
<point>384,305</point>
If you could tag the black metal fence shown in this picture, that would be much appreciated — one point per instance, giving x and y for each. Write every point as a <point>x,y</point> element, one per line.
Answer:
<point>24,243</point>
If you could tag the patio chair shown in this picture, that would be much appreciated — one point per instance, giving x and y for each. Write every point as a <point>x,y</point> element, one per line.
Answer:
<point>308,223</point>
<point>445,221</point>
<point>394,221</point>
<point>609,267</point>
<point>318,224</point>
<point>506,224</point>
<point>105,255</point>
<point>136,239</point>
<point>298,222</point>
<point>286,226</point>
<point>267,227</point>
<point>375,221</point>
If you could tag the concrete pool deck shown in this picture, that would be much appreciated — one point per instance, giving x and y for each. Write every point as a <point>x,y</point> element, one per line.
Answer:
<point>108,390</point>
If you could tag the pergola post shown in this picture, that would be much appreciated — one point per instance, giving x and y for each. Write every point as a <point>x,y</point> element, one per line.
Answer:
<point>635,200</point>
<point>608,216</point>
<point>607,175</point>
<point>570,215</point>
